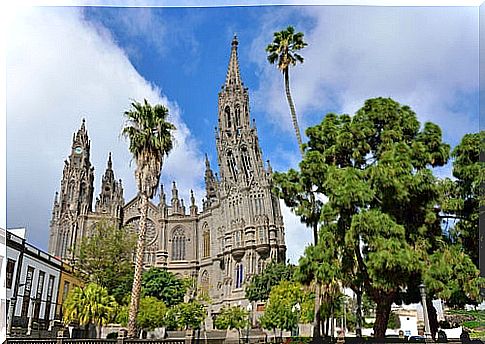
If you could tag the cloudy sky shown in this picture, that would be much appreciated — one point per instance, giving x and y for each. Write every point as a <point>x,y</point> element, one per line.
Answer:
<point>69,63</point>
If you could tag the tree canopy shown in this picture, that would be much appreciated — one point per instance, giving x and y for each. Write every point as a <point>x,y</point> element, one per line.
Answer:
<point>105,258</point>
<point>163,285</point>
<point>381,218</point>
<point>260,285</point>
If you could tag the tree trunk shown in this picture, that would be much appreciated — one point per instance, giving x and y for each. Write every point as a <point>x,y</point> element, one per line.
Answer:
<point>140,250</point>
<point>292,109</point>
<point>358,326</point>
<point>432,317</point>
<point>316,318</point>
<point>383,309</point>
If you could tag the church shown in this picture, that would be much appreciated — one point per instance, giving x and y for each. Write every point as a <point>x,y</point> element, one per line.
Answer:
<point>238,231</point>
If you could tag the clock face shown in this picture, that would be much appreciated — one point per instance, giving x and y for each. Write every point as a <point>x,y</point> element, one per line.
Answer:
<point>78,150</point>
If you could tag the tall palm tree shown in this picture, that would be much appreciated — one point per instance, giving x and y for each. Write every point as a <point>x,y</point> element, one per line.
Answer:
<point>283,50</point>
<point>150,137</point>
<point>89,305</point>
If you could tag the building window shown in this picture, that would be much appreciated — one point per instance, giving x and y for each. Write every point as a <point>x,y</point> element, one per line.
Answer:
<point>206,243</point>
<point>27,290</point>
<point>204,282</point>
<point>239,275</point>
<point>178,244</point>
<point>10,270</point>
<point>38,294</point>
<point>65,291</point>
<point>238,115</point>
<point>50,291</point>
<point>227,111</point>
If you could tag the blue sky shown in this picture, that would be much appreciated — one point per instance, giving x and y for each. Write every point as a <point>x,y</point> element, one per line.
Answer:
<point>67,63</point>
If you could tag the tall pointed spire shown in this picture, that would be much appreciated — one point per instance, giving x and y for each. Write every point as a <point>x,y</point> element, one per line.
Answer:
<point>233,77</point>
<point>110,163</point>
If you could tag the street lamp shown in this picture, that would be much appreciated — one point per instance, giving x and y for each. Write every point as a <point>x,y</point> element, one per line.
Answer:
<point>249,308</point>
<point>296,308</point>
<point>422,291</point>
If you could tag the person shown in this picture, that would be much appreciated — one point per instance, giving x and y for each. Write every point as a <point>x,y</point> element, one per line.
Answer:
<point>442,336</point>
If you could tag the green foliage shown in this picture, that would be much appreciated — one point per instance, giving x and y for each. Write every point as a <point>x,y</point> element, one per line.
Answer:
<point>283,49</point>
<point>381,221</point>
<point>150,136</point>
<point>151,314</point>
<point>232,318</point>
<point>260,285</point>
<point>185,316</point>
<point>462,197</point>
<point>164,285</point>
<point>394,322</point>
<point>105,258</point>
<point>281,311</point>
<point>89,305</point>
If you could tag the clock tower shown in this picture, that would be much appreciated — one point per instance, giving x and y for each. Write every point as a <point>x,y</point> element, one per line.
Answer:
<point>74,200</point>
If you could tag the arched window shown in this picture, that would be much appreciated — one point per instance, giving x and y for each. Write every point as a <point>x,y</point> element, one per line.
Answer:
<point>237,115</point>
<point>206,240</point>
<point>261,265</point>
<point>246,162</point>
<point>178,244</point>
<point>239,275</point>
<point>204,282</point>
<point>227,112</point>
<point>231,162</point>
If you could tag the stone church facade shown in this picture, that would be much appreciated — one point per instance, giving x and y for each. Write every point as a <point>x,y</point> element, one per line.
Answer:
<point>234,236</point>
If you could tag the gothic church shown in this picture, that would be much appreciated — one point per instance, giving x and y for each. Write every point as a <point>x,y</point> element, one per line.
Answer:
<point>238,231</point>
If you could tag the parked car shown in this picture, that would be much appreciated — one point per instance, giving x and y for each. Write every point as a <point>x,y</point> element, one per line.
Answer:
<point>416,339</point>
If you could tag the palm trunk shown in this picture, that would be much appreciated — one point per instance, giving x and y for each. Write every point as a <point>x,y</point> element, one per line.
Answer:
<point>316,318</point>
<point>358,327</point>
<point>292,109</point>
<point>140,250</point>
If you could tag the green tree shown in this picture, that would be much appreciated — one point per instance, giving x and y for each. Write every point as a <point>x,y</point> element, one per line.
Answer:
<point>89,305</point>
<point>150,136</point>
<point>163,285</point>
<point>151,314</point>
<point>105,258</point>
<point>394,322</point>
<point>232,318</point>
<point>283,52</point>
<point>462,197</point>
<point>289,304</point>
<point>260,285</point>
<point>186,316</point>
<point>375,169</point>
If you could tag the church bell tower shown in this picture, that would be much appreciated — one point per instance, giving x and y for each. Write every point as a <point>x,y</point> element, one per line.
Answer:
<point>74,200</point>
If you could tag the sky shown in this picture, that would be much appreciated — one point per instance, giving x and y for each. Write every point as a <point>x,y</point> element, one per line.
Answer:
<point>69,63</point>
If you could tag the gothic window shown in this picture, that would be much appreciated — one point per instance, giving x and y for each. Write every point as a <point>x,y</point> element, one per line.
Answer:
<point>206,242</point>
<point>231,161</point>
<point>237,115</point>
<point>246,161</point>
<point>151,232</point>
<point>238,239</point>
<point>227,112</point>
<point>239,275</point>
<point>204,282</point>
<point>178,244</point>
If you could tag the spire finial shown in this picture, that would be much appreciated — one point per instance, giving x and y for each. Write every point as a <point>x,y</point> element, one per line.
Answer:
<point>110,163</point>
<point>232,77</point>
<point>192,198</point>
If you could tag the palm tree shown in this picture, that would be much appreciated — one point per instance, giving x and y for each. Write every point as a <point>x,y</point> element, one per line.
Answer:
<point>283,51</point>
<point>150,137</point>
<point>89,305</point>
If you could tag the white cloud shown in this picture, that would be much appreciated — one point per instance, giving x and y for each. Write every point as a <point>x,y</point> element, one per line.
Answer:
<point>424,57</point>
<point>297,235</point>
<point>60,68</point>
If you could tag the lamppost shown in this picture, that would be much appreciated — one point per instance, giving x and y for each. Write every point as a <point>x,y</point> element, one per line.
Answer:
<point>249,308</point>
<point>296,309</point>
<point>422,291</point>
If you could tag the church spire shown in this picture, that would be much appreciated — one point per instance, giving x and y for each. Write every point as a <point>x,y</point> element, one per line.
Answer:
<point>233,77</point>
